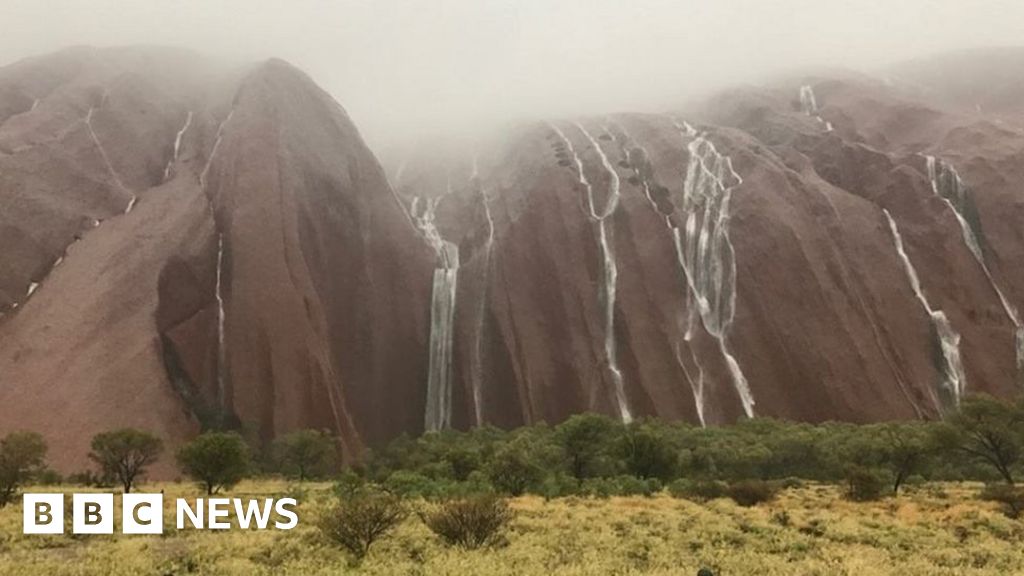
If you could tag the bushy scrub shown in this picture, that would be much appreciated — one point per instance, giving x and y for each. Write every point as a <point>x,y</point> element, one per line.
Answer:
<point>1010,497</point>
<point>752,492</point>
<point>619,486</point>
<point>412,485</point>
<point>863,485</point>
<point>357,523</point>
<point>698,490</point>
<point>472,522</point>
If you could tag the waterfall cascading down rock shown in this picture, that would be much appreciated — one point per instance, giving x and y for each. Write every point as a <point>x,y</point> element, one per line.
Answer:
<point>438,414</point>
<point>219,295</point>
<point>106,159</point>
<point>809,106</point>
<point>177,146</point>
<point>477,360</point>
<point>808,103</point>
<point>213,151</point>
<point>87,120</point>
<point>610,270</point>
<point>697,385</point>
<point>954,379</point>
<point>219,287</point>
<point>706,253</point>
<point>947,184</point>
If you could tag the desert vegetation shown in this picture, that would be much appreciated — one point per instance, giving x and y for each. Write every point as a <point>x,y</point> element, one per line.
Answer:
<point>934,529</point>
<point>588,496</point>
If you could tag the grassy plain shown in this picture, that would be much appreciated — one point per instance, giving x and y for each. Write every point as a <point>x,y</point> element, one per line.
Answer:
<point>933,530</point>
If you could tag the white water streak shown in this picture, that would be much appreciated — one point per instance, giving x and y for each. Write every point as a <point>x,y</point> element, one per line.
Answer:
<point>955,380</point>
<point>697,385</point>
<point>477,360</point>
<point>219,288</point>
<point>177,146</point>
<point>438,414</point>
<point>106,158</point>
<point>213,151</point>
<point>809,106</point>
<point>221,317</point>
<point>947,185</point>
<point>608,257</point>
<point>706,253</point>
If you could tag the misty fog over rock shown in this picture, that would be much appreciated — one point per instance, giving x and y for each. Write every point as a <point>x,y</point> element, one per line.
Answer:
<point>406,69</point>
<point>383,222</point>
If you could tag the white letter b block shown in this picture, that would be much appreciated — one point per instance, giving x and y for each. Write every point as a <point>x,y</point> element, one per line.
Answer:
<point>142,514</point>
<point>92,514</point>
<point>43,514</point>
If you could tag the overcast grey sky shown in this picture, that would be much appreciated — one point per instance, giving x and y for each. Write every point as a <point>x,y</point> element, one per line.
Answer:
<point>407,66</point>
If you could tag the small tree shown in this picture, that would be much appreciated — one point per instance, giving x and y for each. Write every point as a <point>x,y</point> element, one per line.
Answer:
<point>904,450</point>
<point>124,454</point>
<point>357,523</point>
<point>463,463</point>
<point>512,471</point>
<point>21,456</point>
<point>217,460</point>
<point>306,454</point>
<point>585,439</point>
<point>863,485</point>
<point>471,522</point>
<point>984,429</point>
<point>648,454</point>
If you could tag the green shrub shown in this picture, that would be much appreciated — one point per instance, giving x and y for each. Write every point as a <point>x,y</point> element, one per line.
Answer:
<point>89,479</point>
<point>349,485</point>
<point>463,463</point>
<point>216,460</point>
<point>752,492</point>
<point>1010,497</point>
<point>472,522</point>
<point>305,454</point>
<point>412,485</point>
<point>619,486</point>
<point>791,482</point>
<point>863,485</point>
<point>513,471</point>
<point>357,523</point>
<point>558,486</point>
<point>21,457</point>
<point>698,490</point>
<point>597,488</point>
<point>49,477</point>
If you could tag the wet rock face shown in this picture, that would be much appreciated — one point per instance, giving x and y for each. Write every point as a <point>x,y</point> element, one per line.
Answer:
<point>188,248</point>
<point>794,253</point>
<point>183,247</point>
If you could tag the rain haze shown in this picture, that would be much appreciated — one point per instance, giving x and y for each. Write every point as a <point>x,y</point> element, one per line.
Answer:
<point>404,68</point>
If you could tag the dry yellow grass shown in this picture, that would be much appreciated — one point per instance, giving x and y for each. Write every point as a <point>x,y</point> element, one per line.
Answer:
<point>933,530</point>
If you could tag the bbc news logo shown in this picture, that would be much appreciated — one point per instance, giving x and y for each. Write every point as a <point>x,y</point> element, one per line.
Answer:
<point>144,513</point>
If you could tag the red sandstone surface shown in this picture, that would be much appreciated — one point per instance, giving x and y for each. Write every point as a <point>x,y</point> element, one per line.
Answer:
<point>184,246</point>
